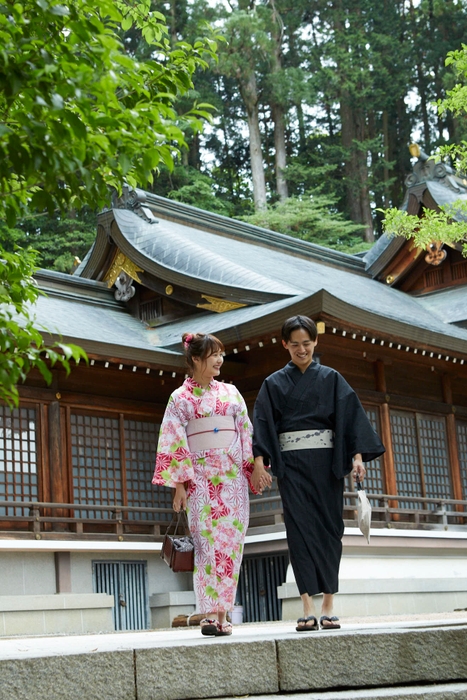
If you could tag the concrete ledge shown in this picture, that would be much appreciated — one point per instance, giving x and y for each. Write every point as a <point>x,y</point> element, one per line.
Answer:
<point>166,606</point>
<point>182,672</point>
<point>89,676</point>
<point>67,613</point>
<point>57,601</point>
<point>159,600</point>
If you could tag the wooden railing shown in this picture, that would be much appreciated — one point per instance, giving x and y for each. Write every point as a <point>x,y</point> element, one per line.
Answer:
<point>30,519</point>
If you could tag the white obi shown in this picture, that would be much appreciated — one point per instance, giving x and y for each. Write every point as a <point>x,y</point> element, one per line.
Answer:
<point>306,440</point>
<point>211,433</point>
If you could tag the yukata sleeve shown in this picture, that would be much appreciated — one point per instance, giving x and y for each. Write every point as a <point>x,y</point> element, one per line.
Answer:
<point>245,430</point>
<point>265,438</point>
<point>173,460</point>
<point>353,431</point>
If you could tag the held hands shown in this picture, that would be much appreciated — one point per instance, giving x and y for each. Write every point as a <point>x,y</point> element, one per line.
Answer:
<point>260,477</point>
<point>179,502</point>
<point>358,470</point>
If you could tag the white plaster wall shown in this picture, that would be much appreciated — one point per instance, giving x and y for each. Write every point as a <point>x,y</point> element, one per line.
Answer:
<point>414,566</point>
<point>27,573</point>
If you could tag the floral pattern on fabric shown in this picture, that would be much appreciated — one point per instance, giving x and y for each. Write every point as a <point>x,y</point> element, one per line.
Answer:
<point>217,486</point>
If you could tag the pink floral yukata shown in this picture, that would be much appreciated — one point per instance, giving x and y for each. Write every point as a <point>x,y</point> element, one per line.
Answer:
<point>217,488</point>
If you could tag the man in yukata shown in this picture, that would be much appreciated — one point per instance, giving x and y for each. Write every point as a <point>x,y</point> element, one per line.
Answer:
<point>312,430</point>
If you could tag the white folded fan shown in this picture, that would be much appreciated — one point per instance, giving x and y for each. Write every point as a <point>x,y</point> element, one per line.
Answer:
<point>363,512</point>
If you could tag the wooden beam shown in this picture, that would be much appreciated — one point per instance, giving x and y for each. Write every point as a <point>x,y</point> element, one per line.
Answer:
<point>453,449</point>
<point>389,473</point>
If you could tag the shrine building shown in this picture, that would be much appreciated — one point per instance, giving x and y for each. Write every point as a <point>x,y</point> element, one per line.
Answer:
<point>81,525</point>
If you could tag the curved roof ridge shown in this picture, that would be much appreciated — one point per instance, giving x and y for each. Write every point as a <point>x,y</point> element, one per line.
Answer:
<point>171,250</point>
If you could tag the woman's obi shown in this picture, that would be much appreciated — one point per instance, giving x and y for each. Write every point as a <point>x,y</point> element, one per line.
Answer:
<point>211,433</point>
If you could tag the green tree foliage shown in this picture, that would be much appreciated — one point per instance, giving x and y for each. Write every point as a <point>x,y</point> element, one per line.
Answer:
<point>449,225</point>
<point>353,81</point>
<point>434,226</point>
<point>77,113</point>
<point>312,217</point>
<point>60,241</point>
<point>22,346</point>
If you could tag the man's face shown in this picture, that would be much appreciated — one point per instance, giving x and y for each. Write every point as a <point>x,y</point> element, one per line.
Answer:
<point>300,348</point>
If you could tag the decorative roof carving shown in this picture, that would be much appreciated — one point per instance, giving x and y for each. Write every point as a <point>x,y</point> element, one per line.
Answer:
<point>121,273</point>
<point>134,200</point>
<point>436,254</point>
<point>218,305</point>
<point>427,169</point>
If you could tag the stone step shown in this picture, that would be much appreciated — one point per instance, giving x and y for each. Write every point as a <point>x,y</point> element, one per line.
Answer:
<point>445,691</point>
<point>271,660</point>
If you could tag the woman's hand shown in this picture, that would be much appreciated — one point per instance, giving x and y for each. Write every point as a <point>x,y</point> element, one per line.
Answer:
<point>358,470</point>
<point>179,502</point>
<point>260,477</point>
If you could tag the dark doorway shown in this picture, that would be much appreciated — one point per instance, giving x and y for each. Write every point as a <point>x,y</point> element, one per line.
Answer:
<point>257,587</point>
<point>127,582</point>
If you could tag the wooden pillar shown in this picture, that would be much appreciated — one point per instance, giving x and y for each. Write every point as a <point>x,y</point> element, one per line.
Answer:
<point>451,431</point>
<point>386,436</point>
<point>57,462</point>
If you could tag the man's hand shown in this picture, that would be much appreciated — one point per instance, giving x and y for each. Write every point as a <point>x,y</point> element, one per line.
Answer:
<point>358,470</point>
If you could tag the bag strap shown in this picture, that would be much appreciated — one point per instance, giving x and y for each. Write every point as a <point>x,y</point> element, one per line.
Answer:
<point>358,484</point>
<point>178,521</point>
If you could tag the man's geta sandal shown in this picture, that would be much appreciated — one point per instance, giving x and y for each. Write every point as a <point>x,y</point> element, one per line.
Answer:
<point>303,624</point>
<point>332,623</point>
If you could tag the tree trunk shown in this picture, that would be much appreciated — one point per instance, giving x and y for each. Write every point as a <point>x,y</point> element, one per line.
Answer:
<point>249,95</point>
<point>354,134</point>
<point>280,151</point>
<point>277,109</point>
<point>356,168</point>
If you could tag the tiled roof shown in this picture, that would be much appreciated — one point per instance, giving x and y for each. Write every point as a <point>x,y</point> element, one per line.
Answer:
<point>197,254</point>
<point>85,312</point>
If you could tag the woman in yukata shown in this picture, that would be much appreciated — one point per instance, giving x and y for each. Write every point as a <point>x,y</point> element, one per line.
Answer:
<point>205,453</point>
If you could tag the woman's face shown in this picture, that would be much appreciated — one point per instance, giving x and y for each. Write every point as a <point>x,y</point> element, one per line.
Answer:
<point>301,348</point>
<point>209,367</point>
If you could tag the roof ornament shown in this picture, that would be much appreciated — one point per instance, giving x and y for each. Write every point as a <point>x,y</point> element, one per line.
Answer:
<point>436,254</point>
<point>220,306</point>
<point>427,168</point>
<point>134,200</point>
<point>125,290</point>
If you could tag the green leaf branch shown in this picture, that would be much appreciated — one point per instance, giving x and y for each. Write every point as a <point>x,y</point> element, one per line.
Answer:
<point>22,346</point>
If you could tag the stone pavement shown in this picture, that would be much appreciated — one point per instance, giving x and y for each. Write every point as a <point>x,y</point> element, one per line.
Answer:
<point>420,656</point>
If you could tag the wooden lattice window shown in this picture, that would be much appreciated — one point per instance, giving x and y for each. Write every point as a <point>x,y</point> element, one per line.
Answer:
<point>18,458</point>
<point>435,456</point>
<point>459,270</point>
<point>140,454</point>
<point>150,310</point>
<point>420,456</point>
<point>433,278</point>
<point>462,444</point>
<point>406,456</point>
<point>96,463</point>
<point>374,474</point>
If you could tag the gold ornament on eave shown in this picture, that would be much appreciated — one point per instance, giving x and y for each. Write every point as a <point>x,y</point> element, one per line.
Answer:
<point>218,305</point>
<point>119,263</point>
